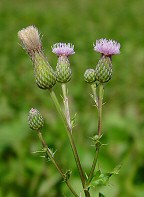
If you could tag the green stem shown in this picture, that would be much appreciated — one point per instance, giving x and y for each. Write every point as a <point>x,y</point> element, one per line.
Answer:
<point>93,87</point>
<point>67,117</point>
<point>100,99</point>
<point>55,163</point>
<point>66,106</point>
<point>100,109</point>
<point>93,167</point>
<point>69,133</point>
<point>54,98</point>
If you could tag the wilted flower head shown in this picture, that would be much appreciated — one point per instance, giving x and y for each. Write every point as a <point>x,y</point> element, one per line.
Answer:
<point>44,74</point>
<point>107,47</point>
<point>30,39</point>
<point>63,49</point>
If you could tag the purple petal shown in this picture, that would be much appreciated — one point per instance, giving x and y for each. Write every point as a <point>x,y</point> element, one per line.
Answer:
<point>63,49</point>
<point>107,47</point>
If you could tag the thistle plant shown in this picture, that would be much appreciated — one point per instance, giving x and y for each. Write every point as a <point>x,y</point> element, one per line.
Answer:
<point>46,77</point>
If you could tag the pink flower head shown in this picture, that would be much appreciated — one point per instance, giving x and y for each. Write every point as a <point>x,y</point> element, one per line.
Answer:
<point>63,49</point>
<point>107,47</point>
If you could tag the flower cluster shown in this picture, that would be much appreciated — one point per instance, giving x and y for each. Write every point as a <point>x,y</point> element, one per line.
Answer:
<point>44,74</point>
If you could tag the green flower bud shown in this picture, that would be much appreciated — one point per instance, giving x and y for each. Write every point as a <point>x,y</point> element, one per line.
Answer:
<point>35,119</point>
<point>89,76</point>
<point>63,70</point>
<point>104,69</point>
<point>44,74</point>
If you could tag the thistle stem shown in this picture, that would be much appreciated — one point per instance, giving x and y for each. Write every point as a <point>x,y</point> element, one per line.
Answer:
<point>100,99</point>
<point>93,167</point>
<point>58,107</point>
<point>66,120</point>
<point>67,117</point>
<point>66,106</point>
<point>93,87</point>
<point>48,152</point>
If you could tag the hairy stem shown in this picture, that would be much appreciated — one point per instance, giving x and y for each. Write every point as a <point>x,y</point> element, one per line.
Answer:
<point>66,106</point>
<point>66,120</point>
<point>48,152</point>
<point>93,87</point>
<point>100,99</point>
<point>67,116</point>
<point>93,167</point>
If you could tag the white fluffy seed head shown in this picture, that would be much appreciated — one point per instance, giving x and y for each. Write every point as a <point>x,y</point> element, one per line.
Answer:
<point>30,39</point>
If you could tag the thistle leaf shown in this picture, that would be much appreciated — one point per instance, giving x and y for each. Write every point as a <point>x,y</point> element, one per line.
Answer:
<point>102,179</point>
<point>67,175</point>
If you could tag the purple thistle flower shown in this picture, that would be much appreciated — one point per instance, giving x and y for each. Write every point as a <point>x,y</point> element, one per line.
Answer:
<point>107,47</point>
<point>63,49</point>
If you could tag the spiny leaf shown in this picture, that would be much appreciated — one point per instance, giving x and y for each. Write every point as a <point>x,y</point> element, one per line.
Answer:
<point>96,140</point>
<point>102,179</point>
<point>38,151</point>
<point>67,175</point>
<point>45,155</point>
<point>73,120</point>
<point>86,175</point>
<point>95,100</point>
<point>52,154</point>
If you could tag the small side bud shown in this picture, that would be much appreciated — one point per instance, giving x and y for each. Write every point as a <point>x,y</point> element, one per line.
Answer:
<point>35,119</point>
<point>90,76</point>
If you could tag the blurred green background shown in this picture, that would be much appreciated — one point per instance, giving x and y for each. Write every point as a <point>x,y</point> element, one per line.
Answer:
<point>80,22</point>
